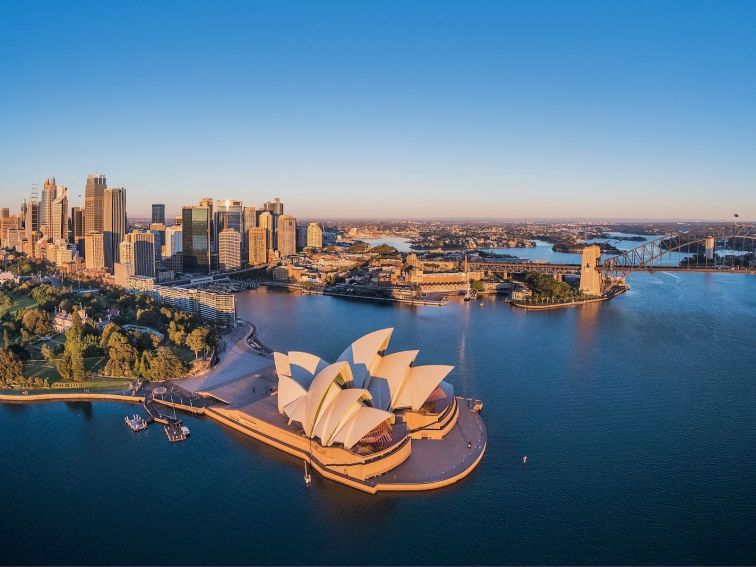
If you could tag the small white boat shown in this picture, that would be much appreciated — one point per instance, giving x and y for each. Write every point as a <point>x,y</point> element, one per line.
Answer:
<point>185,430</point>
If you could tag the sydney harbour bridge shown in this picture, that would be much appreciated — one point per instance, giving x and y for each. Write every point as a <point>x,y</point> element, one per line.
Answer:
<point>717,249</point>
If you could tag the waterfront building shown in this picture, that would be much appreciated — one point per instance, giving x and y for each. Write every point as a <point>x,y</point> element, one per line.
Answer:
<point>314,235</point>
<point>158,213</point>
<point>287,236</point>
<point>94,195</point>
<point>301,237</point>
<point>213,306</point>
<point>138,250</point>
<point>94,244</point>
<point>265,221</point>
<point>195,226</point>
<point>371,420</point>
<point>114,223</point>
<point>229,249</point>
<point>257,245</point>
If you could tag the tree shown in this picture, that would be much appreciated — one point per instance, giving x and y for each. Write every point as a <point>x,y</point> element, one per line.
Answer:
<point>5,302</point>
<point>197,340</point>
<point>122,356</point>
<point>70,365</point>
<point>176,333</point>
<point>165,365</point>
<point>37,322</point>
<point>11,369</point>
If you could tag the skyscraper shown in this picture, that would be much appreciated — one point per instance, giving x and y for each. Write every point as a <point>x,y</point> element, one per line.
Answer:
<point>195,224</point>
<point>250,218</point>
<point>229,249</point>
<point>173,241</point>
<point>287,236</point>
<point>77,229</point>
<point>114,223</point>
<point>59,215</point>
<point>94,194</point>
<point>138,251</point>
<point>257,245</point>
<point>276,209</point>
<point>158,213</point>
<point>314,235</point>
<point>265,221</point>
<point>47,196</point>
<point>94,244</point>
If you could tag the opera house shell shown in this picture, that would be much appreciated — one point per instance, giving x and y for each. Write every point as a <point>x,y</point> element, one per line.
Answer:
<point>372,420</point>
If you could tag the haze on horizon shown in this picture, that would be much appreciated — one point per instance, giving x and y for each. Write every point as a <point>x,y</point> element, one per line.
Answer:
<point>541,109</point>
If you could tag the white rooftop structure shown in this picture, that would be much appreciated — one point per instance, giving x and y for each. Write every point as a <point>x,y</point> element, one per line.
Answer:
<point>344,401</point>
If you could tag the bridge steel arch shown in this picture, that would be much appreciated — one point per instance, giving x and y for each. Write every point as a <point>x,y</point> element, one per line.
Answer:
<point>650,255</point>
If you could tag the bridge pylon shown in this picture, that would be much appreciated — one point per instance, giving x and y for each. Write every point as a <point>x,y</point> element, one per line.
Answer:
<point>590,277</point>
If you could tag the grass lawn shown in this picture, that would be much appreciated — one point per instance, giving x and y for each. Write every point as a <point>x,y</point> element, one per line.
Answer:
<point>20,302</point>
<point>183,353</point>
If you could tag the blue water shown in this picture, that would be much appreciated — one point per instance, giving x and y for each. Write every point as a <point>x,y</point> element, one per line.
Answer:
<point>637,416</point>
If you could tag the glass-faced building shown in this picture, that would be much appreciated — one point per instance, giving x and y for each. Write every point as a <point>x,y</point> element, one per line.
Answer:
<point>195,224</point>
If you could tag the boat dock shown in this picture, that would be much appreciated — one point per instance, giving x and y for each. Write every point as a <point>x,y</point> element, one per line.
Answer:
<point>175,431</point>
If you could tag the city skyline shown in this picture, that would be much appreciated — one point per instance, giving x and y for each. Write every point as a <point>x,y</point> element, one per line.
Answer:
<point>508,111</point>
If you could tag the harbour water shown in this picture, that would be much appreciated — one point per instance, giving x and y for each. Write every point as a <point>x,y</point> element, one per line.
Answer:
<point>637,417</point>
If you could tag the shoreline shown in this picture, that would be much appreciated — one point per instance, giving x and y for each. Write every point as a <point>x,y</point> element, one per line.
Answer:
<point>549,306</point>
<point>389,470</point>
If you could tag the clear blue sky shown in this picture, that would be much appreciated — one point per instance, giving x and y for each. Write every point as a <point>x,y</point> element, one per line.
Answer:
<point>641,109</point>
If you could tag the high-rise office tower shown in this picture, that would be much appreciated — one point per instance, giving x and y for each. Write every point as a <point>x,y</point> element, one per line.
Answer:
<point>94,244</point>
<point>314,235</point>
<point>257,245</point>
<point>4,213</point>
<point>250,218</point>
<point>265,221</point>
<point>158,229</point>
<point>31,220</point>
<point>138,251</point>
<point>195,226</point>
<point>46,198</point>
<point>114,223</point>
<point>94,195</point>
<point>77,229</point>
<point>59,215</point>
<point>229,249</point>
<point>173,241</point>
<point>228,213</point>
<point>276,209</point>
<point>287,236</point>
<point>158,213</point>
<point>301,236</point>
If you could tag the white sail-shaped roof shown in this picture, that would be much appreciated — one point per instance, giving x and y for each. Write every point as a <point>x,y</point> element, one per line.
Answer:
<point>363,355</point>
<point>360,424</point>
<point>388,377</point>
<point>419,384</point>
<point>289,390</point>
<point>324,388</point>
<point>331,401</point>
<point>343,407</point>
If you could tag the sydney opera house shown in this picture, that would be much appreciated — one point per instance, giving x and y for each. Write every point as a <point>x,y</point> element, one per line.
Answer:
<point>371,420</point>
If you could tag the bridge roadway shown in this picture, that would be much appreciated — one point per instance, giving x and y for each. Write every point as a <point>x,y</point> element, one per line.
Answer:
<point>574,269</point>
